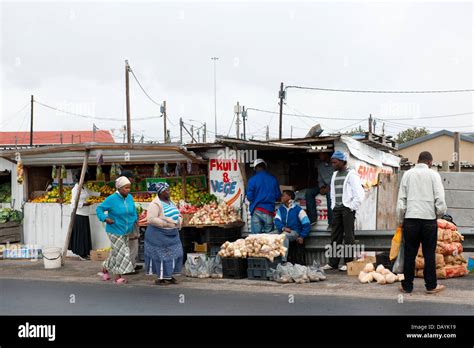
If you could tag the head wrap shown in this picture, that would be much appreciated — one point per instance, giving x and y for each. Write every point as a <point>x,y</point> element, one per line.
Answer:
<point>121,182</point>
<point>162,186</point>
<point>339,155</point>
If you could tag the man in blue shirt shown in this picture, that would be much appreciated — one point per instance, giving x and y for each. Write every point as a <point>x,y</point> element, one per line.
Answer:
<point>263,191</point>
<point>292,220</point>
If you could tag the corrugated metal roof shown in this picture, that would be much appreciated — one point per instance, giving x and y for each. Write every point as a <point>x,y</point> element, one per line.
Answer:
<point>112,153</point>
<point>55,137</point>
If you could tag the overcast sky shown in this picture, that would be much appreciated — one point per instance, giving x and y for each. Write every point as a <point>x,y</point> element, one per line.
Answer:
<point>71,56</point>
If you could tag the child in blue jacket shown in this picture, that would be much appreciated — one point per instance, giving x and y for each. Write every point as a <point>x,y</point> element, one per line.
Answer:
<point>292,220</point>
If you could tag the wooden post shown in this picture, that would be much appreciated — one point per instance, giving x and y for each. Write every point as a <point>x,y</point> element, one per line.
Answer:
<point>60,187</point>
<point>127,101</point>
<point>31,120</point>
<point>281,96</point>
<point>457,159</point>
<point>76,202</point>
<point>445,167</point>
<point>183,184</point>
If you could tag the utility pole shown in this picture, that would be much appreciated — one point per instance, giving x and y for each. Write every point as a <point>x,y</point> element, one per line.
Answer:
<point>168,135</point>
<point>124,132</point>
<point>94,129</point>
<point>267,134</point>
<point>215,96</point>
<point>244,116</point>
<point>163,111</point>
<point>204,136</point>
<point>198,135</point>
<point>282,96</point>
<point>180,130</point>
<point>457,155</point>
<point>127,94</point>
<point>237,121</point>
<point>370,123</point>
<point>192,133</point>
<point>31,121</point>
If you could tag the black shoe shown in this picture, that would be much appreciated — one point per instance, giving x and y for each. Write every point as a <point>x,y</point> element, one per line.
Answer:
<point>138,267</point>
<point>171,281</point>
<point>161,282</point>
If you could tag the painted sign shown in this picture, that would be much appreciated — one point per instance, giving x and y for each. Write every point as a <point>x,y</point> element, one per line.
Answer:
<point>369,174</point>
<point>225,180</point>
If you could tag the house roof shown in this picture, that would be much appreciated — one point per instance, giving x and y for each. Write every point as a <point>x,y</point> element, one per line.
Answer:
<point>55,137</point>
<point>464,137</point>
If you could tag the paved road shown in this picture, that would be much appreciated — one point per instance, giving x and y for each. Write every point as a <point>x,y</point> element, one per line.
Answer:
<point>23,297</point>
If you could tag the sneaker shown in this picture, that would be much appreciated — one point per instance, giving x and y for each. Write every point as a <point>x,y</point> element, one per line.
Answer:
<point>343,268</point>
<point>438,288</point>
<point>327,267</point>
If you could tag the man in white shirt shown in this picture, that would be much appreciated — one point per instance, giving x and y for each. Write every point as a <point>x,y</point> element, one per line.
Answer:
<point>420,202</point>
<point>346,197</point>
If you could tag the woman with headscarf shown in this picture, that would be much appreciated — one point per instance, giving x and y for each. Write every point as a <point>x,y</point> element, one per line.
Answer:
<point>81,242</point>
<point>120,219</point>
<point>163,249</point>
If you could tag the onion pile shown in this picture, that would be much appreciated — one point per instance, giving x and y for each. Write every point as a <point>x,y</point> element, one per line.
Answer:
<point>212,214</point>
<point>255,245</point>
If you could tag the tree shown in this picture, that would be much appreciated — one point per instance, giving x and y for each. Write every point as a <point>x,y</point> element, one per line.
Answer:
<point>410,134</point>
<point>355,131</point>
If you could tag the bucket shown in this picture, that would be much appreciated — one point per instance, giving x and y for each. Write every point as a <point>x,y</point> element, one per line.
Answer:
<point>52,257</point>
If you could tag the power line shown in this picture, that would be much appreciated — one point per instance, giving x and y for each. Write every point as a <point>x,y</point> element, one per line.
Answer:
<point>148,96</point>
<point>95,117</point>
<point>379,91</point>
<point>424,117</point>
<point>308,116</point>
<point>433,127</point>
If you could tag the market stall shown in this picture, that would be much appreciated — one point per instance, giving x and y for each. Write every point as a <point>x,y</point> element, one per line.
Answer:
<point>48,177</point>
<point>293,162</point>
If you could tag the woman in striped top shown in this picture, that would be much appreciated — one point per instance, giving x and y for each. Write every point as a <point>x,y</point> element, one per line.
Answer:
<point>163,249</point>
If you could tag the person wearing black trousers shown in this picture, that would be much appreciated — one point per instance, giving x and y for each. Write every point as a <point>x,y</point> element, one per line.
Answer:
<point>420,202</point>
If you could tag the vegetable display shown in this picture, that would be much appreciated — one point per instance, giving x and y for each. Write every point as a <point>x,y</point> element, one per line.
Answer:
<point>54,173</point>
<point>5,193</point>
<point>269,246</point>
<point>10,215</point>
<point>381,275</point>
<point>19,172</point>
<point>214,214</point>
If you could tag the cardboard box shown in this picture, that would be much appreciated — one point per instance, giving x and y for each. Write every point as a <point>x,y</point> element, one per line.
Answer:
<point>200,248</point>
<point>97,255</point>
<point>284,187</point>
<point>354,267</point>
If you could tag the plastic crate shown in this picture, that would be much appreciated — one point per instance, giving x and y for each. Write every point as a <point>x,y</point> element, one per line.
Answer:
<point>218,235</point>
<point>214,250</point>
<point>258,274</point>
<point>189,235</point>
<point>263,263</point>
<point>383,258</point>
<point>234,267</point>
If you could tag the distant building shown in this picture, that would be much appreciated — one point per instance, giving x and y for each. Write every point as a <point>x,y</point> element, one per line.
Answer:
<point>44,138</point>
<point>441,146</point>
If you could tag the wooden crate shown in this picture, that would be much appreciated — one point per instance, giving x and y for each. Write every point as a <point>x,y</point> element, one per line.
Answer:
<point>10,232</point>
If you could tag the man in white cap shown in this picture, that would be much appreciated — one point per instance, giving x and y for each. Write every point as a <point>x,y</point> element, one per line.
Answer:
<point>263,191</point>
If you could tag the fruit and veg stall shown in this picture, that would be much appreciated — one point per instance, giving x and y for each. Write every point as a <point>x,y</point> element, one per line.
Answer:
<point>47,176</point>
